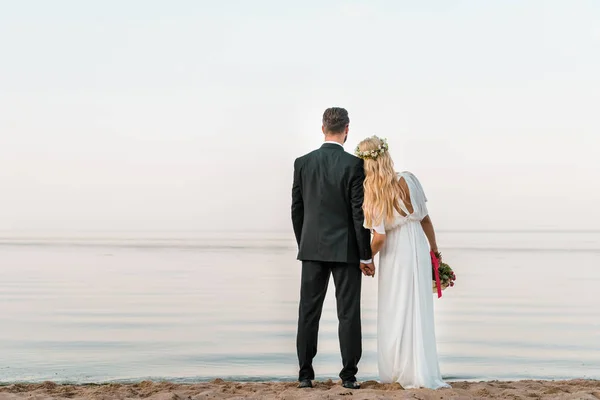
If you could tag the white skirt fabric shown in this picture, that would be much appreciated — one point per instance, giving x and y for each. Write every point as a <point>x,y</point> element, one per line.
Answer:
<point>406,345</point>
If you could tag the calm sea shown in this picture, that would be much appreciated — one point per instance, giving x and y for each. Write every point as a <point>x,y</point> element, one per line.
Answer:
<point>192,306</point>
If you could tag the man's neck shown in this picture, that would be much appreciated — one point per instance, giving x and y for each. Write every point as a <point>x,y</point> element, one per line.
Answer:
<point>335,139</point>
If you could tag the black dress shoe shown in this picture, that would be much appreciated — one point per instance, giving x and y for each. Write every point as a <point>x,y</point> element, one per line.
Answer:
<point>307,383</point>
<point>350,385</point>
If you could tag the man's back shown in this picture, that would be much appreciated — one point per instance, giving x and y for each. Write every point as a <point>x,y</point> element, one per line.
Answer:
<point>327,206</point>
<point>327,199</point>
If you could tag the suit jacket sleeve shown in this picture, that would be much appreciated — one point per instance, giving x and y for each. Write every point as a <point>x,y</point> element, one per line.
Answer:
<point>357,195</point>
<point>297,203</point>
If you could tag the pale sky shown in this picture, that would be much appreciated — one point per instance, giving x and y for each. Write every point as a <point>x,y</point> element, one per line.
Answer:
<point>189,114</point>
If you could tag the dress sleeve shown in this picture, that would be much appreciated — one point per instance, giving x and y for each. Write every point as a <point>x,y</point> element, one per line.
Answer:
<point>418,199</point>
<point>380,228</point>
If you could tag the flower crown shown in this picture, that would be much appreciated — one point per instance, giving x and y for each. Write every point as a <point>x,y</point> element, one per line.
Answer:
<point>372,154</point>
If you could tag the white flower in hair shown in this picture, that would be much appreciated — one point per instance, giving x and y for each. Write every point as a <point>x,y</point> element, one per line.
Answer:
<point>372,154</point>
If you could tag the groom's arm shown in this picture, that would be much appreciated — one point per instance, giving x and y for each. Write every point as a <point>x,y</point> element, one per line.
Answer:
<point>297,203</point>
<point>357,196</point>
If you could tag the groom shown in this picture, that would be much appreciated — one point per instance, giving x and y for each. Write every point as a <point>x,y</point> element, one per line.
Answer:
<point>327,199</point>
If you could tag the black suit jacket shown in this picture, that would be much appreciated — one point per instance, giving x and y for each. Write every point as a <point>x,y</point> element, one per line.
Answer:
<point>327,199</point>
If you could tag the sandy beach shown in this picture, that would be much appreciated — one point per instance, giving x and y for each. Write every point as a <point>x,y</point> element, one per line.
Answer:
<point>219,389</point>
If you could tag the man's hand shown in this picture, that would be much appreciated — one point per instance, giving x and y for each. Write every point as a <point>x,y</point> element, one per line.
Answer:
<point>368,269</point>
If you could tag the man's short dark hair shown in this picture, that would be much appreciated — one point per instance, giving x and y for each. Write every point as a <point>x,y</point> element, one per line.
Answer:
<point>335,119</point>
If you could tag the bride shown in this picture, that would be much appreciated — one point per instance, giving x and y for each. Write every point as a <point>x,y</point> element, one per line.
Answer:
<point>395,211</point>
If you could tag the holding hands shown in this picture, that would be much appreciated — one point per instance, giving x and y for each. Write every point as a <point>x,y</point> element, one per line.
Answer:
<point>368,269</point>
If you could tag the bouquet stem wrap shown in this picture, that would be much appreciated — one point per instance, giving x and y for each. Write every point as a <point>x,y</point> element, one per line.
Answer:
<point>436,269</point>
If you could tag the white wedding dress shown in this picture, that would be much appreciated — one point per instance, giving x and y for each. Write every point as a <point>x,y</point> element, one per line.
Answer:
<point>406,347</point>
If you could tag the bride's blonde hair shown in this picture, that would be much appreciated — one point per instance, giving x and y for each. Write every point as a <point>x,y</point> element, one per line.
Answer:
<point>382,189</point>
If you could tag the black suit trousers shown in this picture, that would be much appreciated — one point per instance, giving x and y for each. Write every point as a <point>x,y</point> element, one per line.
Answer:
<point>315,278</point>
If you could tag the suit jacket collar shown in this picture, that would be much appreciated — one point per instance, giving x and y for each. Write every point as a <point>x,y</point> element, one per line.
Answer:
<point>333,146</point>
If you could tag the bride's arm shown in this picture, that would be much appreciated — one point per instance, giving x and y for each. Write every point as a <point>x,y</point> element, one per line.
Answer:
<point>426,223</point>
<point>430,233</point>
<point>377,242</point>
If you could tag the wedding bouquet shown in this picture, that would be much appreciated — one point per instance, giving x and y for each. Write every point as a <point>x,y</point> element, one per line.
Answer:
<point>445,275</point>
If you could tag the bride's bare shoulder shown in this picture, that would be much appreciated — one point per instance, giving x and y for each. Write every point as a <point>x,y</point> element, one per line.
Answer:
<point>402,177</point>
<point>405,191</point>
